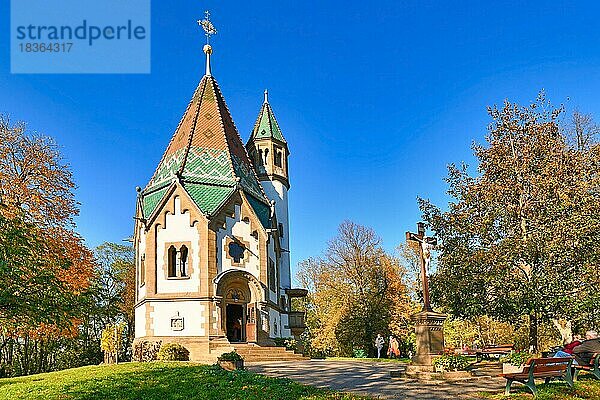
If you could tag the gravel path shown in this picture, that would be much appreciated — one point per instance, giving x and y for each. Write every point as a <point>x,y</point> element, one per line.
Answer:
<point>373,378</point>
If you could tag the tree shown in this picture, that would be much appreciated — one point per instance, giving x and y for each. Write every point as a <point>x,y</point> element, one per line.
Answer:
<point>45,267</point>
<point>519,238</point>
<point>36,190</point>
<point>33,178</point>
<point>114,288</point>
<point>355,291</point>
<point>30,290</point>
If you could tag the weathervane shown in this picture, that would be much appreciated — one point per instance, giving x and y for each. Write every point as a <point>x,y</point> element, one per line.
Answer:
<point>209,28</point>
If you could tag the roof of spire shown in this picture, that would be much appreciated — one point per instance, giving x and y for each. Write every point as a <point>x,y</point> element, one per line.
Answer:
<point>266,125</point>
<point>207,156</point>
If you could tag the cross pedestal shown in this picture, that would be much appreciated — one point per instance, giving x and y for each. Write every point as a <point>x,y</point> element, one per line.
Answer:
<point>429,325</point>
<point>429,330</point>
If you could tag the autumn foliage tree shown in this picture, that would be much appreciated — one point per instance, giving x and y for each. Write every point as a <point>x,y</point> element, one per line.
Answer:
<point>356,291</point>
<point>519,238</point>
<point>45,267</point>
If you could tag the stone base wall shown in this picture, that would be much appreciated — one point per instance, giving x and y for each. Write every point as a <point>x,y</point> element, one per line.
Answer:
<point>198,347</point>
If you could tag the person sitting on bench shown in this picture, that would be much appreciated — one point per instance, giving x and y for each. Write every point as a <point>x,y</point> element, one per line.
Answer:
<point>586,350</point>
<point>567,350</point>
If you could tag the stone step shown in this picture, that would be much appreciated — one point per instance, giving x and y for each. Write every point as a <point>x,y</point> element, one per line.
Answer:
<point>263,352</point>
<point>254,353</point>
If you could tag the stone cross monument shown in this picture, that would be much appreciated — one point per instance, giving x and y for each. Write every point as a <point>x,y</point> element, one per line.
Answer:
<point>428,323</point>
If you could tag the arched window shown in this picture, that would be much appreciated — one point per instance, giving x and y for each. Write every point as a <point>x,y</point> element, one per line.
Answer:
<point>172,260</point>
<point>278,158</point>
<point>143,270</point>
<point>260,157</point>
<point>183,260</point>
<point>266,156</point>
<point>272,276</point>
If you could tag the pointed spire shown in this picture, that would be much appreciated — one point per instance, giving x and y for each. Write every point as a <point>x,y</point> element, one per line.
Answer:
<point>266,125</point>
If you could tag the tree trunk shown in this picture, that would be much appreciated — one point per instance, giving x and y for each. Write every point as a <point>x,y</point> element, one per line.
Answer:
<point>533,333</point>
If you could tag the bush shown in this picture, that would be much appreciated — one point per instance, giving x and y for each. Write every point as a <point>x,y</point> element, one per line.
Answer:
<point>359,353</point>
<point>231,356</point>
<point>173,352</point>
<point>289,343</point>
<point>517,358</point>
<point>145,351</point>
<point>451,362</point>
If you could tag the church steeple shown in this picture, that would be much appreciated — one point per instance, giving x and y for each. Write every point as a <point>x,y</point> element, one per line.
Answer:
<point>206,154</point>
<point>267,147</point>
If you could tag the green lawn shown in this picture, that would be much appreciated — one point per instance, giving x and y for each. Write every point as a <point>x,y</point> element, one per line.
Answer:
<point>158,381</point>
<point>587,388</point>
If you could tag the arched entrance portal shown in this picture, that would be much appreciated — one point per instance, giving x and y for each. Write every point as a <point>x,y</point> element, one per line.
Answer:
<point>241,294</point>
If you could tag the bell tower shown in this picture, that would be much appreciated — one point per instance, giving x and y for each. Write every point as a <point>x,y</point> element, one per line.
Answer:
<point>269,153</point>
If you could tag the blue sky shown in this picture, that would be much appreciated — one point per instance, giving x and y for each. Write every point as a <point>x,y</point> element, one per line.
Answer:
<point>375,99</point>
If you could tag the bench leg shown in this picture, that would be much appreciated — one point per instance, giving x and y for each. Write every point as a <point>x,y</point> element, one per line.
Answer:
<point>576,374</point>
<point>569,377</point>
<point>531,385</point>
<point>507,388</point>
<point>596,373</point>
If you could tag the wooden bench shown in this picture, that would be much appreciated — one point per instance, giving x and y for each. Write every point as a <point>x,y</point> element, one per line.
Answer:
<point>497,350</point>
<point>592,367</point>
<point>546,368</point>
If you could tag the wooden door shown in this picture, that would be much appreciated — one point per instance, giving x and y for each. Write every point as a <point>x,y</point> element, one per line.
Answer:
<point>251,323</point>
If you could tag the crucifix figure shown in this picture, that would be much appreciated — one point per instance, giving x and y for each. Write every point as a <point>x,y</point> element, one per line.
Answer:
<point>426,245</point>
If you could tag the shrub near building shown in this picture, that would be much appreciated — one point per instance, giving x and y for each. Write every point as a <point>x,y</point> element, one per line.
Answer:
<point>173,352</point>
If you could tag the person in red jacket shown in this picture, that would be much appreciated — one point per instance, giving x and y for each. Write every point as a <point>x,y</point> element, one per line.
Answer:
<point>568,348</point>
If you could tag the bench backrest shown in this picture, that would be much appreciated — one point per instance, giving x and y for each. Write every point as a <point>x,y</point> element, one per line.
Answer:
<point>539,365</point>
<point>499,347</point>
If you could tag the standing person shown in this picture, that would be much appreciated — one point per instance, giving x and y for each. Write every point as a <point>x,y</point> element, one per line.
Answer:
<point>586,350</point>
<point>379,342</point>
<point>237,330</point>
<point>393,350</point>
<point>395,347</point>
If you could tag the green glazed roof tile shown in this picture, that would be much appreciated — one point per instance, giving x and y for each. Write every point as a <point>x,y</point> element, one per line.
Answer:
<point>266,125</point>
<point>151,200</point>
<point>208,198</point>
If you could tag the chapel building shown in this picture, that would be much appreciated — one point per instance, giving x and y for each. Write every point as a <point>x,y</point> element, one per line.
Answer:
<point>212,234</point>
